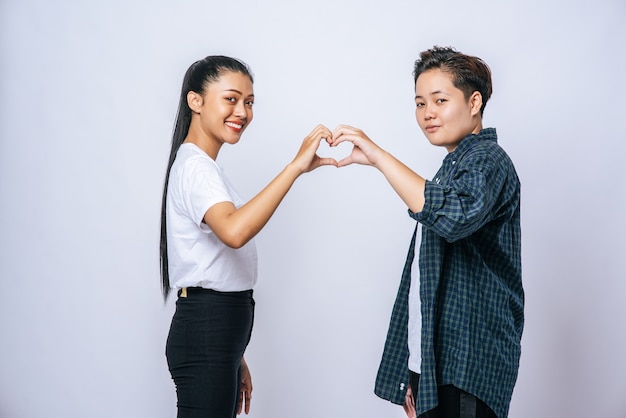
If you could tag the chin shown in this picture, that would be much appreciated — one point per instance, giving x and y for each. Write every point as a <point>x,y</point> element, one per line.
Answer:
<point>233,138</point>
<point>443,142</point>
<point>437,143</point>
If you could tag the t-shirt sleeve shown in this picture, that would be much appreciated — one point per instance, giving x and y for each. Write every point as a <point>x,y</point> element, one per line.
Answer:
<point>202,187</point>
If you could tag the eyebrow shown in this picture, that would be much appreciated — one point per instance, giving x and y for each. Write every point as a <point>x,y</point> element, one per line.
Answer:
<point>237,91</point>
<point>433,93</point>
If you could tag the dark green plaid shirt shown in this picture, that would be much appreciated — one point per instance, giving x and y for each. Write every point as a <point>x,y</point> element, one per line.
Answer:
<point>472,301</point>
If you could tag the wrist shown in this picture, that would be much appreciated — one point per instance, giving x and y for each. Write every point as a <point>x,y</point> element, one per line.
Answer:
<point>293,170</point>
<point>379,159</point>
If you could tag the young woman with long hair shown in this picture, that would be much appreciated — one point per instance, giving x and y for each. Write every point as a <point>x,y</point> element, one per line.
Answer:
<point>207,249</point>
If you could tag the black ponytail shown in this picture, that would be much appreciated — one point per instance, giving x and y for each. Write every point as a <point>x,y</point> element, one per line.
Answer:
<point>199,75</point>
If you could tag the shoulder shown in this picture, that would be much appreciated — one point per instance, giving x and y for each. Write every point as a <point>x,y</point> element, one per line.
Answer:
<point>489,160</point>
<point>487,151</point>
<point>190,159</point>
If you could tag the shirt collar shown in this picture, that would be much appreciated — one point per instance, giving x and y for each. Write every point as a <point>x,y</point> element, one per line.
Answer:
<point>486,134</point>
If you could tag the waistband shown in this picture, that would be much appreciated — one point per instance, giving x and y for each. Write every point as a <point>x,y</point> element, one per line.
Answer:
<point>189,291</point>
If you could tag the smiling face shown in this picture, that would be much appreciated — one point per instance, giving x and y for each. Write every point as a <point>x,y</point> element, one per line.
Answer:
<point>443,112</point>
<point>222,113</point>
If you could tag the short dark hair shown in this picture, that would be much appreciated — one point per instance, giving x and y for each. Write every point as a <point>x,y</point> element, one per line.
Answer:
<point>469,74</point>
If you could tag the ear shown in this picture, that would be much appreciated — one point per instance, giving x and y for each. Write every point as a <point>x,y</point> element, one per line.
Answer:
<point>476,102</point>
<point>194,101</point>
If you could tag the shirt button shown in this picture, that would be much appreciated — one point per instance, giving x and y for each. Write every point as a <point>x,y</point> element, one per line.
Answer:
<point>401,386</point>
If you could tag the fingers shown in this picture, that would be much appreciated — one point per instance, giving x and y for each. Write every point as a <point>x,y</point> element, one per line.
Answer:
<point>307,158</point>
<point>321,132</point>
<point>409,404</point>
<point>317,135</point>
<point>340,134</point>
<point>245,398</point>
<point>364,150</point>
<point>245,394</point>
<point>327,161</point>
<point>344,133</point>
<point>342,129</point>
<point>345,161</point>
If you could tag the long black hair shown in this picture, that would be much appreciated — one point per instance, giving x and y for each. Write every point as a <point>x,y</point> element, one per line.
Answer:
<point>198,76</point>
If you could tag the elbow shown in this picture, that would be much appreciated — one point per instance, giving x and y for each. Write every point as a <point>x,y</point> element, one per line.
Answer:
<point>454,232</point>
<point>234,234</point>
<point>237,244</point>
<point>235,240</point>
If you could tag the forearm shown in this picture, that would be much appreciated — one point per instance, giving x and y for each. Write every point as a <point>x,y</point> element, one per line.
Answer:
<point>236,226</point>
<point>241,225</point>
<point>407,184</point>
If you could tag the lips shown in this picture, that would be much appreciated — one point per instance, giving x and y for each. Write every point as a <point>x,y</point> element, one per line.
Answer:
<point>235,126</point>
<point>431,128</point>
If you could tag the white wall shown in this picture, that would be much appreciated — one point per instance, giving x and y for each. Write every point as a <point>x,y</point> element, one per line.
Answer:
<point>88,97</point>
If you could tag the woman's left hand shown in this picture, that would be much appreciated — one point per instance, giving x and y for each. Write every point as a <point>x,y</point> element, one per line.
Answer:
<point>245,396</point>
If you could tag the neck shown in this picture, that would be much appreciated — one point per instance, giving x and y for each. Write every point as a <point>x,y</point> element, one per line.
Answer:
<point>478,127</point>
<point>198,138</point>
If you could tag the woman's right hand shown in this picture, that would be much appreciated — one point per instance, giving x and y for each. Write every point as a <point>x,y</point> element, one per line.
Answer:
<point>307,159</point>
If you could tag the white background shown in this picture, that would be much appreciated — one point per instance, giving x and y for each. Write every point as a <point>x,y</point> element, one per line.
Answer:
<point>89,92</point>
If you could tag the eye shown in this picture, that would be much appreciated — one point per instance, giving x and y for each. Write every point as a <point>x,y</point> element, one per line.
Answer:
<point>231,99</point>
<point>419,104</point>
<point>249,103</point>
<point>441,100</point>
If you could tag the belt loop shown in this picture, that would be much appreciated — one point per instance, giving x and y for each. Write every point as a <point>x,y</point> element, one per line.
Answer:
<point>183,292</point>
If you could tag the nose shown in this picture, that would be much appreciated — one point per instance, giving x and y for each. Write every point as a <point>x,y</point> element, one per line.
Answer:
<point>428,112</point>
<point>424,113</point>
<point>240,109</point>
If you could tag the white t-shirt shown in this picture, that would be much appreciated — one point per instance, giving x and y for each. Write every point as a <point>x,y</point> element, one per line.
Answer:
<point>415,316</point>
<point>196,256</point>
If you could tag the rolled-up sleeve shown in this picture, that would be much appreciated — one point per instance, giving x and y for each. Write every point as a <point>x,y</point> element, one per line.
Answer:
<point>465,203</point>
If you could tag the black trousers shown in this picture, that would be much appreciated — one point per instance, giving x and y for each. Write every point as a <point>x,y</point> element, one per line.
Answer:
<point>207,339</point>
<point>454,403</point>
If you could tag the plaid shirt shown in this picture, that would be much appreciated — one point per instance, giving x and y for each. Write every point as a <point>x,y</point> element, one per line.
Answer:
<point>472,301</point>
